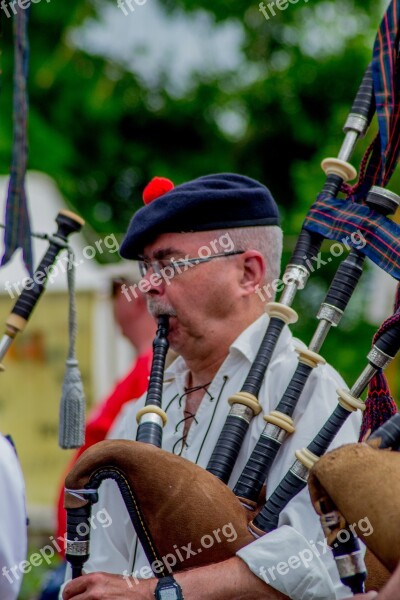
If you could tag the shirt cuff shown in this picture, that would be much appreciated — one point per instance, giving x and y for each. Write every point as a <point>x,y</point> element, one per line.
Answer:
<point>286,561</point>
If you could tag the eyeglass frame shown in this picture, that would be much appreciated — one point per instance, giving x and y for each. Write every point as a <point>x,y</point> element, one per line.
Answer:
<point>145,265</point>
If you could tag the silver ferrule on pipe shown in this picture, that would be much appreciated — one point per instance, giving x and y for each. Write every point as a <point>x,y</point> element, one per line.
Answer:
<point>295,278</point>
<point>378,358</point>
<point>363,381</point>
<point>320,335</point>
<point>5,344</point>
<point>151,417</point>
<point>329,316</point>
<point>348,145</point>
<point>356,123</point>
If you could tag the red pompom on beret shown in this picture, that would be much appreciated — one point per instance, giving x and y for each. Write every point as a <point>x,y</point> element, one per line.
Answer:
<point>157,187</point>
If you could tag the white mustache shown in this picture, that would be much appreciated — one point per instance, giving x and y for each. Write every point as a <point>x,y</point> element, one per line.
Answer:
<point>156,309</point>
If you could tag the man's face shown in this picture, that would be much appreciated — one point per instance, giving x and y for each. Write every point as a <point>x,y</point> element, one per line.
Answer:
<point>201,297</point>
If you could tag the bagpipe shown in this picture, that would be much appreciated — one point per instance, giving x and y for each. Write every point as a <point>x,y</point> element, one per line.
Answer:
<point>67,223</point>
<point>207,504</point>
<point>72,408</point>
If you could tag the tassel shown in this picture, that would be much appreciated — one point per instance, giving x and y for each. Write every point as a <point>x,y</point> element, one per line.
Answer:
<point>72,407</point>
<point>379,406</point>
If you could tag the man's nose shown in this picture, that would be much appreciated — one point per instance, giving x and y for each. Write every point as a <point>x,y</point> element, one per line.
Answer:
<point>153,284</point>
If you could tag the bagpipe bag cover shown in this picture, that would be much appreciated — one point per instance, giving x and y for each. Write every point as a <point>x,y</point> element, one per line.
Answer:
<point>180,501</point>
<point>364,483</point>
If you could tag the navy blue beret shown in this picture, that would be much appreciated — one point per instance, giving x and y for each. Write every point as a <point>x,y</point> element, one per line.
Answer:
<point>221,201</point>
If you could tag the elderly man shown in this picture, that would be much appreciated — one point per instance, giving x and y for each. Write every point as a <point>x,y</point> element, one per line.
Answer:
<point>219,237</point>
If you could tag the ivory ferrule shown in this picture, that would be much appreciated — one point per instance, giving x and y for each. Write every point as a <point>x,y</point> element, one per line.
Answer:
<point>246,399</point>
<point>349,402</point>
<point>307,459</point>
<point>73,216</point>
<point>336,166</point>
<point>282,312</point>
<point>255,531</point>
<point>280,420</point>
<point>15,324</point>
<point>151,414</point>
<point>310,358</point>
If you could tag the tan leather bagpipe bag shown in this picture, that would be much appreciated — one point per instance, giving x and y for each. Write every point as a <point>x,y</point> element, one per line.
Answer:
<point>364,484</point>
<point>180,501</point>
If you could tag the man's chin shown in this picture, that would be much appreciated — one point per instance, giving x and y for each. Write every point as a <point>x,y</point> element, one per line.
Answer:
<point>174,335</point>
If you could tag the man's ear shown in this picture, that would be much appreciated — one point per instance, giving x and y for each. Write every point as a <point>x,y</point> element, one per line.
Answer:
<point>253,270</point>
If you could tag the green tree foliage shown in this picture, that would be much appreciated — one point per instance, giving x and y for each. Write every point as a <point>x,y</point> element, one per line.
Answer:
<point>102,133</point>
<point>95,129</point>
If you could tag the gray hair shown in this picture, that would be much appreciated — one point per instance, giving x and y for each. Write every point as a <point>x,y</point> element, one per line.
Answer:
<point>267,240</point>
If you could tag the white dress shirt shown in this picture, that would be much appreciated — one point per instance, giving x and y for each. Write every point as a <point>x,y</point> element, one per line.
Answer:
<point>13,534</point>
<point>114,548</point>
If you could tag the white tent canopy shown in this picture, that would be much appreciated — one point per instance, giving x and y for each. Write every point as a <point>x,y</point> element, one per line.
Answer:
<point>44,203</point>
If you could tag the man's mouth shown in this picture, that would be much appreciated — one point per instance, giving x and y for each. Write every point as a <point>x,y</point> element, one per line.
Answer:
<point>156,310</point>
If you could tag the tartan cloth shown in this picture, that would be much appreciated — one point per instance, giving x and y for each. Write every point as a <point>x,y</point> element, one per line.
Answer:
<point>338,219</point>
<point>18,231</point>
<point>386,77</point>
<point>381,157</point>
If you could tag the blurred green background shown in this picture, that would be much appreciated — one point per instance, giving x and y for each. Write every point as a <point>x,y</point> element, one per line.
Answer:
<point>180,89</point>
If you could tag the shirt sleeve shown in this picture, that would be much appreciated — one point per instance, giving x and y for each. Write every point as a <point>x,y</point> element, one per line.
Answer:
<point>13,534</point>
<point>290,564</point>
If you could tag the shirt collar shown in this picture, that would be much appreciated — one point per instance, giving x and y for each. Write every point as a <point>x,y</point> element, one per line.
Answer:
<point>246,344</point>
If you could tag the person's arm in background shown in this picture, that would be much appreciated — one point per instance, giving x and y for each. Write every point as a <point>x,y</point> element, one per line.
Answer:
<point>13,527</point>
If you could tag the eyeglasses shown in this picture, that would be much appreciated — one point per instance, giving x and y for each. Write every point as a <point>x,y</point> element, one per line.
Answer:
<point>182,264</point>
